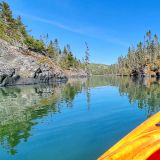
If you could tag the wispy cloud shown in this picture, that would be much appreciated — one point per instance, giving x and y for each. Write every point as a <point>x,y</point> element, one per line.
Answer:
<point>51,22</point>
<point>92,32</point>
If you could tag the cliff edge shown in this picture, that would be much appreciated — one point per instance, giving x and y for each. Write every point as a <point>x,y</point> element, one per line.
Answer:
<point>21,66</point>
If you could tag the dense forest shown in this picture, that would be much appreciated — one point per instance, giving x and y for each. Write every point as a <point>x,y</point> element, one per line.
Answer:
<point>16,33</point>
<point>143,60</point>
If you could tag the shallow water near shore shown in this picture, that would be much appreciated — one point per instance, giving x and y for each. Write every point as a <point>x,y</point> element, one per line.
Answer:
<point>78,120</point>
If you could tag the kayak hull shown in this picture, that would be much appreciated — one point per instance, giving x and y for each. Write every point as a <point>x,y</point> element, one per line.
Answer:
<point>143,143</point>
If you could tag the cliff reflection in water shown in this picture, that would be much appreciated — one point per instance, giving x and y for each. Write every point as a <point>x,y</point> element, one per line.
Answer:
<point>20,106</point>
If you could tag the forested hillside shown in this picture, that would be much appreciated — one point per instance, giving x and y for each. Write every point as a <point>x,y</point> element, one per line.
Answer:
<point>98,69</point>
<point>142,60</point>
<point>16,33</point>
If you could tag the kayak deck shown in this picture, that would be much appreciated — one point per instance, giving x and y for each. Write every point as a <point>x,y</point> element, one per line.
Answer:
<point>143,143</point>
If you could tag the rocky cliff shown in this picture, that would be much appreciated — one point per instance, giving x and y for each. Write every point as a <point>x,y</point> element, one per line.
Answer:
<point>21,66</point>
<point>152,70</point>
<point>148,70</point>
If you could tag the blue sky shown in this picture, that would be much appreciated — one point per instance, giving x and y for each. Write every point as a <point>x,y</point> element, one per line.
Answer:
<point>109,26</point>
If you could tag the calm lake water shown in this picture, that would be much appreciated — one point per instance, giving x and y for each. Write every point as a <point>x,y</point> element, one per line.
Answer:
<point>78,120</point>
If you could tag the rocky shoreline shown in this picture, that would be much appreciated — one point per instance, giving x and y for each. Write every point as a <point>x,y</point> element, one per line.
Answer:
<point>18,65</point>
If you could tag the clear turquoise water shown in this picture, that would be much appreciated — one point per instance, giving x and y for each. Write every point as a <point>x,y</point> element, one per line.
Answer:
<point>79,120</point>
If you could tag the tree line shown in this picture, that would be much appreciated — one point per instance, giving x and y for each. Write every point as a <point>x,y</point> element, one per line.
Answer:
<point>143,58</point>
<point>14,31</point>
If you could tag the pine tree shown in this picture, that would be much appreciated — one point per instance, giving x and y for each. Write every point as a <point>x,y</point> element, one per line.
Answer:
<point>87,57</point>
<point>56,46</point>
<point>65,52</point>
<point>68,48</point>
<point>6,13</point>
<point>20,26</point>
<point>51,50</point>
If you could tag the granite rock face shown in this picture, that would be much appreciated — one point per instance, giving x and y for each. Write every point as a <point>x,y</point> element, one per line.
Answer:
<point>21,66</point>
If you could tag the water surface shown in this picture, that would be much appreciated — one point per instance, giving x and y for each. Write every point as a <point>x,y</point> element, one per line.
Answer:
<point>78,120</point>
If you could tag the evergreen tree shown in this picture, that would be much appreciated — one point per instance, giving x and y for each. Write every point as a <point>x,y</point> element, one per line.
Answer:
<point>35,44</point>
<point>6,13</point>
<point>68,48</point>
<point>20,26</point>
<point>87,56</point>
<point>65,52</point>
<point>51,50</point>
<point>56,46</point>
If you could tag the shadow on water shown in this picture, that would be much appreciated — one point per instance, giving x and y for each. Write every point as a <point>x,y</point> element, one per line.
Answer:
<point>20,106</point>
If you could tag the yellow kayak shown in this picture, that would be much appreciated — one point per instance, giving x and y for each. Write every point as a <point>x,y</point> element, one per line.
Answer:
<point>143,143</point>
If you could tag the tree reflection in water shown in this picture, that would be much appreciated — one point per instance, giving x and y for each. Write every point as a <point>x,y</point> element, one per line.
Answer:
<point>20,106</point>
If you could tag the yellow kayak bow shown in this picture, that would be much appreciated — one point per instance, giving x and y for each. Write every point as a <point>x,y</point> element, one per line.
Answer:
<point>143,143</point>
